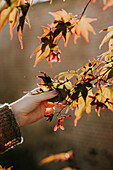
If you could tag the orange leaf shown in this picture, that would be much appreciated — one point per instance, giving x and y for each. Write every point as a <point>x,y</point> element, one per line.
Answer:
<point>61,15</point>
<point>52,1</point>
<point>82,27</point>
<point>48,159</point>
<point>61,156</point>
<point>5,11</point>
<point>104,1</point>
<point>20,37</point>
<point>67,168</point>
<point>5,168</point>
<point>109,3</point>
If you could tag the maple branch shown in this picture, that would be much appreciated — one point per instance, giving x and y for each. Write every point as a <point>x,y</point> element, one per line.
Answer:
<point>85,9</point>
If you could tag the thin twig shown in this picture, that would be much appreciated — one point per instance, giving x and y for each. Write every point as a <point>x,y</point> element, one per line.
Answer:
<point>85,9</point>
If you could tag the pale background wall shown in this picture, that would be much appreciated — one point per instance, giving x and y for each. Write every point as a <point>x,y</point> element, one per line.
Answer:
<point>91,140</point>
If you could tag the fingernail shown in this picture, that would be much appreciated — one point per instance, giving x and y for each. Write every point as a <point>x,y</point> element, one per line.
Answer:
<point>55,92</point>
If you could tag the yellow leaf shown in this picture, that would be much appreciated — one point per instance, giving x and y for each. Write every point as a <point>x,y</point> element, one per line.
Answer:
<point>41,55</point>
<point>82,106</point>
<point>68,75</point>
<point>88,101</point>
<point>111,44</point>
<point>12,21</point>
<point>107,92</point>
<point>106,38</point>
<point>79,109</point>
<point>38,49</point>
<point>4,14</point>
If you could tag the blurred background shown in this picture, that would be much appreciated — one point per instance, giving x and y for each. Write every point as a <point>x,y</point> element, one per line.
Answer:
<point>92,139</point>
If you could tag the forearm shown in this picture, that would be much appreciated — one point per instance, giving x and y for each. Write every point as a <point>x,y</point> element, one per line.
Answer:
<point>9,131</point>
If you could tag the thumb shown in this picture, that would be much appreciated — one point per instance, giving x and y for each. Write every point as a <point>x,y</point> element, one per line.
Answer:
<point>46,95</point>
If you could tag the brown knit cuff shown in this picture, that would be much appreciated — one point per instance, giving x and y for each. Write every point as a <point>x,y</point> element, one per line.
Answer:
<point>9,130</point>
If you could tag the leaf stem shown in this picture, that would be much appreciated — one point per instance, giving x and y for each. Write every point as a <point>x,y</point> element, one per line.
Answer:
<point>85,9</point>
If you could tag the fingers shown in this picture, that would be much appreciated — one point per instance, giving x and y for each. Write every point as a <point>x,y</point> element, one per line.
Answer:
<point>46,95</point>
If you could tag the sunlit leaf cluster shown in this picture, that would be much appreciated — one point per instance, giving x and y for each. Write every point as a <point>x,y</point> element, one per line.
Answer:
<point>14,10</point>
<point>92,87</point>
<point>64,25</point>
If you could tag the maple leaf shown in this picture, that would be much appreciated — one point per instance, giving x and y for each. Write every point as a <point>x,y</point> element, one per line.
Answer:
<point>61,156</point>
<point>24,10</point>
<point>42,52</point>
<point>62,25</point>
<point>82,27</point>
<point>46,48</point>
<point>104,1</point>
<point>10,11</point>
<point>109,3</point>
<point>68,75</point>
<point>107,92</point>
<point>80,104</point>
<point>109,36</point>
<point>5,168</point>
<point>12,21</point>
<point>5,11</point>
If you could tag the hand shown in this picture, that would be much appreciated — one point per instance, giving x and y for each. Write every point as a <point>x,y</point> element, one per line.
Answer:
<point>31,108</point>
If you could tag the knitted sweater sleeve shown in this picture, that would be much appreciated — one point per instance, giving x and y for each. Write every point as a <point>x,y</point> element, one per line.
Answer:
<point>9,130</point>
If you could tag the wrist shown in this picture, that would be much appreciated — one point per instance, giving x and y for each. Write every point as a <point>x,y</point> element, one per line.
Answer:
<point>16,114</point>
